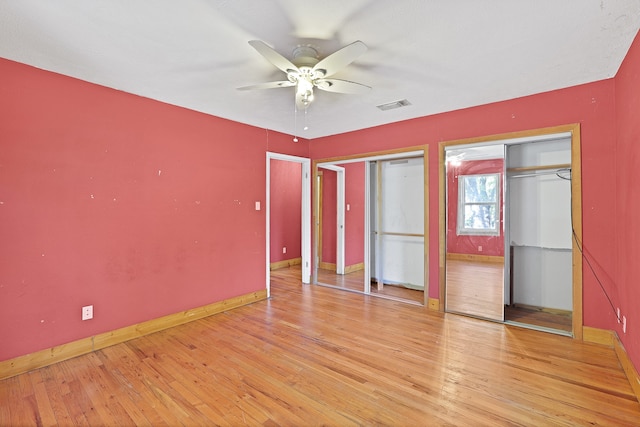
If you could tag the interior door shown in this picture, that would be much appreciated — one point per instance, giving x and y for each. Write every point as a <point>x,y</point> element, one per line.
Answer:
<point>340,193</point>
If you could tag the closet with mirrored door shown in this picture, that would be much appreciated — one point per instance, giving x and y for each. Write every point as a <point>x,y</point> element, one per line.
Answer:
<point>510,247</point>
<point>370,226</point>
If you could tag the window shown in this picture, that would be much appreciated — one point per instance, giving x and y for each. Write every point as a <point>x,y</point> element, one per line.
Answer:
<point>479,204</point>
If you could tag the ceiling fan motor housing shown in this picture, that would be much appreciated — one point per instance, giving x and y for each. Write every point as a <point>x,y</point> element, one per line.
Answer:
<point>305,56</point>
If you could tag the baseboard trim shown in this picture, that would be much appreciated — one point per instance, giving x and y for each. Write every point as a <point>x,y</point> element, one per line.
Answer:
<point>627,366</point>
<point>477,258</point>
<point>353,268</point>
<point>285,263</point>
<point>598,336</point>
<point>327,266</point>
<point>611,339</point>
<point>42,358</point>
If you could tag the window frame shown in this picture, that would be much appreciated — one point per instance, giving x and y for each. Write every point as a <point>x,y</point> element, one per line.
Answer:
<point>461,230</point>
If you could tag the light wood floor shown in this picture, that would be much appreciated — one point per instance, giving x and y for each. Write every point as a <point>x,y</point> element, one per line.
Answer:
<point>355,281</point>
<point>313,355</point>
<point>475,288</point>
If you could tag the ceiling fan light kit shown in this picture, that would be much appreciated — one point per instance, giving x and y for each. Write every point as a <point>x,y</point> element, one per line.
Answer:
<point>306,71</point>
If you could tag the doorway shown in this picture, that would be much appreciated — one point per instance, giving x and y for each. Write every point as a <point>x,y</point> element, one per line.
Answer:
<point>510,217</point>
<point>305,215</point>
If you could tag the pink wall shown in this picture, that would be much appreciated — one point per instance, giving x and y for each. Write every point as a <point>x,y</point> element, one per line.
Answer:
<point>591,105</point>
<point>285,218</point>
<point>465,244</point>
<point>329,216</point>
<point>626,227</point>
<point>354,217</point>
<point>138,207</point>
<point>610,133</point>
<point>145,209</point>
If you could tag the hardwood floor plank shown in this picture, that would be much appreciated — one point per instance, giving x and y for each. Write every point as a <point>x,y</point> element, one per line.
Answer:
<point>45,410</point>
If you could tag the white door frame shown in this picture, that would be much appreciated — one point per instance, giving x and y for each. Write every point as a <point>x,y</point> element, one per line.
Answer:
<point>305,215</point>
<point>340,222</point>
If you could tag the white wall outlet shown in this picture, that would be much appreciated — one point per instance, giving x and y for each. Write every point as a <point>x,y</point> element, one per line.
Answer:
<point>479,248</point>
<point>257,205</point>
<point>284,250</point>
<point>87,312</point>
<point>624,324</point>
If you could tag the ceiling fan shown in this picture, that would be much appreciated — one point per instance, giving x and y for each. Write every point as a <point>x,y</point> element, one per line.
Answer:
<point>306,71</point>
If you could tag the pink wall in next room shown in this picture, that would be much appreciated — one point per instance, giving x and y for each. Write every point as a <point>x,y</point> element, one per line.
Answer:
<point>469,244</point>
<point>286,193</point>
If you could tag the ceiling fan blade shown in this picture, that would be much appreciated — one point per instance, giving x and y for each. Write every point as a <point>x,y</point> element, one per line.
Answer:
<point>340,59</point>
<point>268,85</point>
<point>341,86</point>
<point>274,57</point>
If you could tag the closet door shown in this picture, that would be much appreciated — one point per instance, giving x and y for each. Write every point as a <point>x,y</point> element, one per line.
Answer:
<point>474,239</point>
<point>538,254</point>
<point>399,225</point>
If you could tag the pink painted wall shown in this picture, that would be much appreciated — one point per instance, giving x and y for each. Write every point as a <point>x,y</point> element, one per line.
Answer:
<point>466,244</point>
<point>354,187</point>
<point>286,193</point>
<point>592,105</point>
<point>140,208</point>
<point>607,112</point>
<point>626,226</point>
<point>329,216</point>
<point>182,231</point>
<point>354,217</point>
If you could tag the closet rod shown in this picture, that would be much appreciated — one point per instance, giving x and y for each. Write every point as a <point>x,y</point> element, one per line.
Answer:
<point>546,172</point>
<point>540,167</point>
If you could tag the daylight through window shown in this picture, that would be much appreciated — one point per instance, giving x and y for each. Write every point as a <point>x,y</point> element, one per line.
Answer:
<point>479,204</point>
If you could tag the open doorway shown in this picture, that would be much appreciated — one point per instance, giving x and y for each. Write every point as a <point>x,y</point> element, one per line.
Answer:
<point>295,199</point>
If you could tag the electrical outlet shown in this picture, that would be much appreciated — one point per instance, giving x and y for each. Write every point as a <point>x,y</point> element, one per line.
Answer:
<point>479,248</point>
<point>87,312</point>
<point>284,250</point>
<point>624,324</point>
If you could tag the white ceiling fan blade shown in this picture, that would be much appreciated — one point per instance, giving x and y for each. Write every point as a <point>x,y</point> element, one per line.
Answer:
<point>274,57</point>
<point>268,85</point>
<point>340,59</point>
<point>341,86</point>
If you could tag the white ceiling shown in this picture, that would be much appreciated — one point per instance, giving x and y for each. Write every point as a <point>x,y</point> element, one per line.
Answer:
<point>439,55</point>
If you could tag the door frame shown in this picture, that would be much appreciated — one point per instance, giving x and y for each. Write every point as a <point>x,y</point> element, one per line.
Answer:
<point>340,216</point>
<point>305,219</point>
<point>573,130</point>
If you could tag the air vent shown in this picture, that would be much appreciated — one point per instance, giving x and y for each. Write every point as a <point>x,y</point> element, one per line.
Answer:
<point>394,104</point>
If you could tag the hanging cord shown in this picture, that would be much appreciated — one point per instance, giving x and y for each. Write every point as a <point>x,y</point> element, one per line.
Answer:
<point>295,122</point>
<point>580,245</point>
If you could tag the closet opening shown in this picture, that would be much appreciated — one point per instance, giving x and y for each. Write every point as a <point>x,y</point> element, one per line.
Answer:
<point>510,227</point>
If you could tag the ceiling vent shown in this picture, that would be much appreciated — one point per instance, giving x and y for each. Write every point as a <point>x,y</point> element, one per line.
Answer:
<point>393,105</point>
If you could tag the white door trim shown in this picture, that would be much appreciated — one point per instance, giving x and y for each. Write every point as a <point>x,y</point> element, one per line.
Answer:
<point>340,220</point>
<point>305,215</point>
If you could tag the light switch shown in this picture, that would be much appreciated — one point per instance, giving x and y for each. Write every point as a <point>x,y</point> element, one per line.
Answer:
<point>258,205</point>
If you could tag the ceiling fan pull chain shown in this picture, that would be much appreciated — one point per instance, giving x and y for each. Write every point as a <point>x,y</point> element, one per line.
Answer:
<point>295,122</point>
